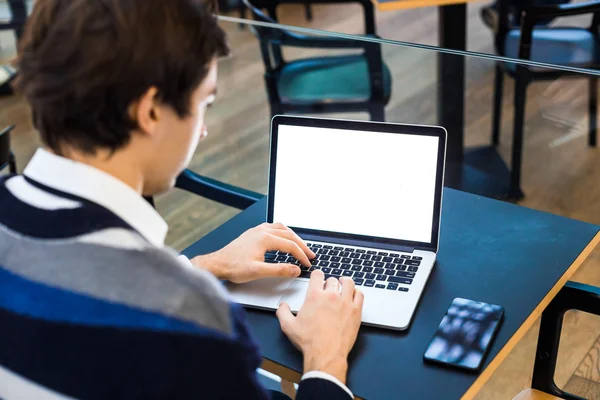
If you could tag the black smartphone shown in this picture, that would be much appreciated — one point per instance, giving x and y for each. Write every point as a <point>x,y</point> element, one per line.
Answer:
<point>465,334</point>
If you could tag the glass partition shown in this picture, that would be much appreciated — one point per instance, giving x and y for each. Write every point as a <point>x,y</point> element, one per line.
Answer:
<point>416,85</point>
<point>281,69</point>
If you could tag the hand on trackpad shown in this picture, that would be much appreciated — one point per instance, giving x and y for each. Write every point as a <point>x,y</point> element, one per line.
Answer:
<point>294,295</point>
<point>328,314</point>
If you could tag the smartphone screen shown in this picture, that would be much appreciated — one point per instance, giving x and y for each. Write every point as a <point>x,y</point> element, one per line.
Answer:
<point>465,334</point>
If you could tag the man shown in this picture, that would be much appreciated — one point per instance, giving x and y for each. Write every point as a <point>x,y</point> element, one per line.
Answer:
<point>92,305</point>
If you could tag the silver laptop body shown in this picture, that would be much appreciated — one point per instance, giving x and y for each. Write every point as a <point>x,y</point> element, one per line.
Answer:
<point>367,198</point>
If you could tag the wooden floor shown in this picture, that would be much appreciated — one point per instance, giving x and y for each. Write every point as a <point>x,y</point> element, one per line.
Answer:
<point>561,173</point>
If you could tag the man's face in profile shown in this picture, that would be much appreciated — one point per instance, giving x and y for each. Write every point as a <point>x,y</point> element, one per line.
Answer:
<point>176,138</point>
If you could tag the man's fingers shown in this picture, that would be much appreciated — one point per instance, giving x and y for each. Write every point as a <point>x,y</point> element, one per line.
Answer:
<point>317,279</point>
<point>285,316</point>
<point>359,299</point>
<point>348,287</point>
<point>332,285</point>
<point>288,246</point>
<point>289,234</point>
<point>266,270</point>
<point>280,226</point>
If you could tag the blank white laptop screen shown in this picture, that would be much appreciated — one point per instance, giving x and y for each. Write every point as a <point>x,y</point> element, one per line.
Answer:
<point>355,182</point>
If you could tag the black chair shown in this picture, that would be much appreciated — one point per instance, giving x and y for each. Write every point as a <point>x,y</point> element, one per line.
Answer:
<point>188,180</point>
<point>572,46</point>
<point>573,296</point>
<point>7,158</point>
<point>330,84</point>
<point>220,192</point>
<point>214,190</point>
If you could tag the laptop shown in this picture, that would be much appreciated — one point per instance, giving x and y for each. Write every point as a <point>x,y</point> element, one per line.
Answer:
<point>366,197</point>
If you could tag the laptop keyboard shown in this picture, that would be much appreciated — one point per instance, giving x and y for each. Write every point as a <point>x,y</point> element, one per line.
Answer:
<point>369,268</point>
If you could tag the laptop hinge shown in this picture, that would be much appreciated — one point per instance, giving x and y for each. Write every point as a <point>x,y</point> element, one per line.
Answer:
<point>357,242</point>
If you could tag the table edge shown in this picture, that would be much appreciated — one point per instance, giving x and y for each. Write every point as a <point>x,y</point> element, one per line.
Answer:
<point>482,379</point>
<point>294,376</point>
<point>285,373</point>
<point>408,4</point>
<point>281,370</point>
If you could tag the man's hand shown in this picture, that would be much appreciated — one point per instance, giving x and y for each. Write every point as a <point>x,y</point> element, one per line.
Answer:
<point>243,260</point>
<point>326,326</point>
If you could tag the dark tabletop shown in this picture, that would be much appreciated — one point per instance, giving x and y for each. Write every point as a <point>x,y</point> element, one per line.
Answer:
<point>489,251</point>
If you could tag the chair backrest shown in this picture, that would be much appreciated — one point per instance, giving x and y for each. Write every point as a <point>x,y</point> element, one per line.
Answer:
<point>272,39</point>
<point>533,15</point>
<point>534,12</point>
<point>573,296</point>
<point>516,8</point>
<point>220,192</point>
<point>214,190</point>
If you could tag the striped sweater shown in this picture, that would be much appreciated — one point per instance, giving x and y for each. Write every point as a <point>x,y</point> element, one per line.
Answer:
<point>92,306</point>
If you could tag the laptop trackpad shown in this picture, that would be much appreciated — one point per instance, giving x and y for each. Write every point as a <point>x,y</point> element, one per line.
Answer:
<point>262,293</point>
<point>294,295</point>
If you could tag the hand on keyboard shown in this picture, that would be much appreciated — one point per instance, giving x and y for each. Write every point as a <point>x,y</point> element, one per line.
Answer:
<point>326,326</point>
<point>368,268</point>
<point>243,260</point>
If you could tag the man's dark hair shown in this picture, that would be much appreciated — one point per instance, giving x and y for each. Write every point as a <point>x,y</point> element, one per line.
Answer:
<point>82,63</point>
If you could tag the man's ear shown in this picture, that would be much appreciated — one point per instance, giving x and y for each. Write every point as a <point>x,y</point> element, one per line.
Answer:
<point>145,112</point>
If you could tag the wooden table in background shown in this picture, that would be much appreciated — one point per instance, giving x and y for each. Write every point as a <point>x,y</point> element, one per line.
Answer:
<point>388,5</point>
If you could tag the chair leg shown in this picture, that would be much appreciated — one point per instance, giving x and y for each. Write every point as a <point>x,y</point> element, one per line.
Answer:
<point>12,164</point>
<point>18,10</point>
<point>19,33</point>
<point>497,117</point>
<point>593,111</point>
<point>377,113</point>
<point>517,150</point>
<point>242,15</point>
<point>308,11</point>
